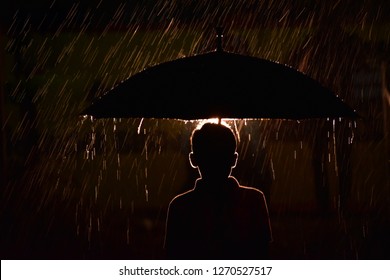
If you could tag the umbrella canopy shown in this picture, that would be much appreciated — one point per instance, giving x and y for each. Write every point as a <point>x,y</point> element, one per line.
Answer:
<point>219,84</point>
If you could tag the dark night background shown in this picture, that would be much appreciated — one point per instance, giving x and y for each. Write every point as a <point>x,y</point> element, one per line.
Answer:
<point>72,188</point>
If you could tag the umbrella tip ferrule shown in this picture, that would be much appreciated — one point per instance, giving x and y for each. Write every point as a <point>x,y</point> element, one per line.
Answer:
<point>219,36</point>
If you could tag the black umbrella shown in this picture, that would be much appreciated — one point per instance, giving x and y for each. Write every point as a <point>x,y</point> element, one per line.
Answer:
<point>219,84</point>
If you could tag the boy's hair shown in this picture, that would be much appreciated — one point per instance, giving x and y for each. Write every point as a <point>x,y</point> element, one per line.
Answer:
<point>213,138</point>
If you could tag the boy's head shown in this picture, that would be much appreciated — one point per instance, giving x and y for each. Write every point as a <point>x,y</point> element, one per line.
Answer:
<point>213,150</point>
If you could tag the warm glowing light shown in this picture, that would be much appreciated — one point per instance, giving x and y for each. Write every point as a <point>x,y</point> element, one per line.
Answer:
<point>212,120</point>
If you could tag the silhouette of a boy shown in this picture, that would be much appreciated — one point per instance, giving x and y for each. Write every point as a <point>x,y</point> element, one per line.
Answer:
<point>218,218</point>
